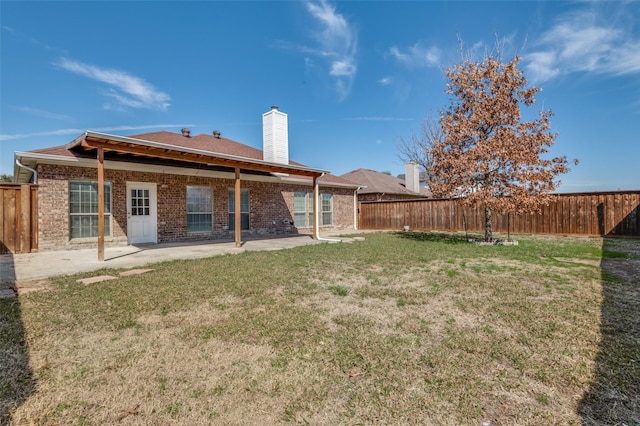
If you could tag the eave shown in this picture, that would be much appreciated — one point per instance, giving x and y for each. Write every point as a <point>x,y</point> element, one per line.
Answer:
<point>91,141</point>
<point>32,159</point>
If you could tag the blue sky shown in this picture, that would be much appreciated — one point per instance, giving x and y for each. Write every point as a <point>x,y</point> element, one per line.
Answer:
<point>354,77</point>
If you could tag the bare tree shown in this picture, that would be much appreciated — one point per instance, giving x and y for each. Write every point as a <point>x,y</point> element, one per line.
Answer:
<point>416,148</point>
<point>488,155</point>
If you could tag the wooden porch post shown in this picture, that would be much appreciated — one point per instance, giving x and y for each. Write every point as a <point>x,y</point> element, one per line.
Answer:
<point>100,203</point>
<point>315,208</point>
<point>238,210</point>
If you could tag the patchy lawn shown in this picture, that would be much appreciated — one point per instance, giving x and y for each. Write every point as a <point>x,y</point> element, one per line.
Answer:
<point>402,328</point>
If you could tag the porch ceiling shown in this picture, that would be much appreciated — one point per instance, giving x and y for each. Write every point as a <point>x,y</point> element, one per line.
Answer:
<point>90,141</point>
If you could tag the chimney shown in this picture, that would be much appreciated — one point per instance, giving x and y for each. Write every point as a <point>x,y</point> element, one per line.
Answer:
<point>186,132</point>
<point>275,136</point>
<point>412,177</point>
<point>216,134</point>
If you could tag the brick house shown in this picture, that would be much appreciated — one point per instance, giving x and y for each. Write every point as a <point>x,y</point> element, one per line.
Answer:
<point>377,186</point>
<point>164,187</point>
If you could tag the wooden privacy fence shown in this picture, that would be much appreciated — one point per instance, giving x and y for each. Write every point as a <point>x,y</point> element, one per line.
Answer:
<point>598,213</point>
<point>19,218</point>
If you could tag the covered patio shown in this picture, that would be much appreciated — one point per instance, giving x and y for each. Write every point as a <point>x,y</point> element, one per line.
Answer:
<point>116,148</point>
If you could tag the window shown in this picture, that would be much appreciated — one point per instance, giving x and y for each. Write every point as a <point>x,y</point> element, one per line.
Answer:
<point>199,209</point>
<point>303,209</point>
<point>140,202</point>
<point>244,209</point>
<point>83,209</point>
<point>327,209</point>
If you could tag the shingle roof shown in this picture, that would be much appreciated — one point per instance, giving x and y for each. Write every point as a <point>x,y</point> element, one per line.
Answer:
<point>381,183</point>
<point>202,142</point>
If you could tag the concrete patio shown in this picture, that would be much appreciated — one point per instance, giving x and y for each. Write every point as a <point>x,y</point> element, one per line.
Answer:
<point>16,268</point>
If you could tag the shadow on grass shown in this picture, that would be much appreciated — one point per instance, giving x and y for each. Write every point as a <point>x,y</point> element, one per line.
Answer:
<point>16,377</point>
<point>443,237</point>
<point>614,395</point>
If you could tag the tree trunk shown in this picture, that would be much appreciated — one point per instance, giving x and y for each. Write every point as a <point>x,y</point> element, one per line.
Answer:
<point>488,235</point>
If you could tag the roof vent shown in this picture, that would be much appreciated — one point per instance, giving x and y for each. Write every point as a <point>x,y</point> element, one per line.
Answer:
<point>216,134</point>
<point>186,132</point>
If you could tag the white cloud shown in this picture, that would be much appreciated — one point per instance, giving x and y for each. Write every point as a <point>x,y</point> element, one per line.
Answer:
<point>58,132</point>
<point>542,66</point>
<point>385,81</point>
<point>42,113</point>
<point>343,68</point>
<point>585,41</point>
<point>627,58</point>
<point>417,56</point>
<point>337,44</point>
<point>76,132</point>
<point>123,88</point>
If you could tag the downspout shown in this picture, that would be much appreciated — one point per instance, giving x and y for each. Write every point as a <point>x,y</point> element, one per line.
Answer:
<point>35,173</point>
<point>317,191</point>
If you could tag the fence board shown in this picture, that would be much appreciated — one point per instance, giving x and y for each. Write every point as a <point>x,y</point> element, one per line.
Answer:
<point>19,218</point>
<point>33,226</point>
<point>9,216</point>
<point>598,213</point>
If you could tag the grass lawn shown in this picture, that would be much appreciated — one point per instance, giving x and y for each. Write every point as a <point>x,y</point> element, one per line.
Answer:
<point>401,328</point>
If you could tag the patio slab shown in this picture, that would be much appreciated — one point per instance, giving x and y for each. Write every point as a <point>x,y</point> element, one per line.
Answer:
<point>16,268</point>
<point>134,272</point>
<point>97,279</point>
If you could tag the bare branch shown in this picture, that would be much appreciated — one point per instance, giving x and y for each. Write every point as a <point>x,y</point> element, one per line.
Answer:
<point>488,155</point>
<point>416,148</point>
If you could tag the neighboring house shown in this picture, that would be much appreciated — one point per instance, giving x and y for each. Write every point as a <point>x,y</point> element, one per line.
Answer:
<point>422,177</point>
<point>377,186</point>
<point>164,187</point>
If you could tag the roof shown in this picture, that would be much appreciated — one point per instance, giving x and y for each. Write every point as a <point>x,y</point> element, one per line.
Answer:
<point>207,149</point>
<point>203,142</point>
<point>381,183</point>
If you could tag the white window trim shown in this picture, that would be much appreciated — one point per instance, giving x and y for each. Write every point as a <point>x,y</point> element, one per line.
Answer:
<point>308,209</point>
<point>323,211</point>
<point>210,212</point>
<point>108,215</point>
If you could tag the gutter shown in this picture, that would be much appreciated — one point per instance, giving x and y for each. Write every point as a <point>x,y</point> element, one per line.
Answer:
<point>35,173</point>
<point>325,184</point>
<point>186,171</point>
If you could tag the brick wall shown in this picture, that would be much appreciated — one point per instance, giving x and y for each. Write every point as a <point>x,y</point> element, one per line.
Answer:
<point>342,206</point>
<point>269,203</point>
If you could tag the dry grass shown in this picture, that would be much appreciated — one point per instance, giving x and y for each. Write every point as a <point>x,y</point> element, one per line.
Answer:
<point>391,330</point>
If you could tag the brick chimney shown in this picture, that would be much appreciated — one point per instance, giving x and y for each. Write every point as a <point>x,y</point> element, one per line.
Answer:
<point>275,136</point>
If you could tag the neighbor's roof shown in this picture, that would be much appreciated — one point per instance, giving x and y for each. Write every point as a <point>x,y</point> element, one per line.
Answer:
<point>381,183</point>
<point>203,145</point>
